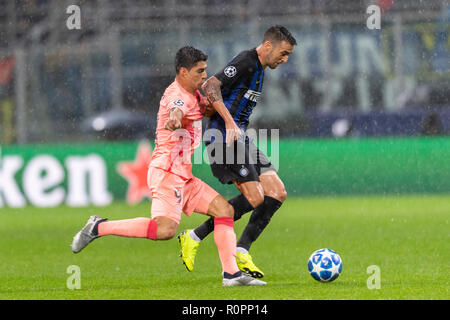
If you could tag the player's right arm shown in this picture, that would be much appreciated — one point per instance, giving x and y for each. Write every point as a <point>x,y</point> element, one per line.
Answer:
<point>211,88</point>
<point>174,121</point>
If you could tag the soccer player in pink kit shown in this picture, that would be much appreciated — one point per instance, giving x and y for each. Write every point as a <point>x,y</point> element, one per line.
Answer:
<point>173,187</point>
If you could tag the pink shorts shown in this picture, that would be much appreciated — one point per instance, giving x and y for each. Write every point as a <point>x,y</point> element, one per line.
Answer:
<point>172,194</point>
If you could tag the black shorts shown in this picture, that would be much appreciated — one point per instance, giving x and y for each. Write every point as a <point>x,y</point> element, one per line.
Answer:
<point>240,162</point>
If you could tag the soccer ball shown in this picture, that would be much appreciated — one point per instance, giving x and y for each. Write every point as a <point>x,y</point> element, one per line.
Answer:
<point>325,265</point>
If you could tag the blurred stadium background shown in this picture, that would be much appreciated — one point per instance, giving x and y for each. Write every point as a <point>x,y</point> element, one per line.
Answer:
<point>343,79</point>
<point>364,120</point>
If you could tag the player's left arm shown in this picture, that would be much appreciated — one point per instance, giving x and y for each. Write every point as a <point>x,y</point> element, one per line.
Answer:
<point>174,121</point>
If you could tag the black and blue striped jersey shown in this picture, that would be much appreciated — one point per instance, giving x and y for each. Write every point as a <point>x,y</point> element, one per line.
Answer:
<point>242,81</point>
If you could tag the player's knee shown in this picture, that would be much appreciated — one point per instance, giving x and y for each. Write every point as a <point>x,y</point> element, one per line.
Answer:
<point>166,233</point>
<point>224,210</point>
<point>256,199</point>
<point>282,195</point>
<point>165,230</point>
<point>227,211</point>
<point>279,194</point>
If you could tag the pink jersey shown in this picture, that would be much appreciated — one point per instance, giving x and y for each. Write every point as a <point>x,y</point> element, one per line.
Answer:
<point>174,149</point>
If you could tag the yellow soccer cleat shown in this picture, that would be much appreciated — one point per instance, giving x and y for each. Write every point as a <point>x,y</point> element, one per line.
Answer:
<point>245,264</point>
<point>188,249</point>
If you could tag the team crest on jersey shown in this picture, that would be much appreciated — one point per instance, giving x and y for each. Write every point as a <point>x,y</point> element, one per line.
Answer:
<point>230,71</point>
<point>179,103</point>
<point>243,172</point>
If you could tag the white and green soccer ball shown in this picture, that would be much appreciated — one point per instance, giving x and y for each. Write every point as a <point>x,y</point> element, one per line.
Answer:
<point>325,265</point>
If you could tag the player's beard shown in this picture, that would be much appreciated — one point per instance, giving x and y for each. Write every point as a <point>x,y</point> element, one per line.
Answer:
<point>272,65</point>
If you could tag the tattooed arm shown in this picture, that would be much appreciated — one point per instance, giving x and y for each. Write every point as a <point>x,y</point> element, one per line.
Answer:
<point>211,88</point>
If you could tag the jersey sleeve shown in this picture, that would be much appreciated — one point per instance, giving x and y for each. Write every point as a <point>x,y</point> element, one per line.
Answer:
<point>236,69</point>
<point>189,106</point>
<point>180,103</point>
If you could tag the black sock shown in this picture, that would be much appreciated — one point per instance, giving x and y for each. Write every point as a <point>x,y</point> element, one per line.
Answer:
<point>227,275</point>
<point>240,205</point>
<point>258,221</point>
<point>95,229</point>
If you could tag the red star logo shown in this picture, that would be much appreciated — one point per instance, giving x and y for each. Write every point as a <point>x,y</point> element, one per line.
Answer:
<point>136,174</point>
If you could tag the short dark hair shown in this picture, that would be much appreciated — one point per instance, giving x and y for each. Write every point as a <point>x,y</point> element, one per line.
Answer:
<point>279,33</point>
<point>188,57</point>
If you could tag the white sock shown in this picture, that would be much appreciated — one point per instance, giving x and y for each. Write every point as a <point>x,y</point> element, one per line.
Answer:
<point>194,236</point>
<point>241,250</point>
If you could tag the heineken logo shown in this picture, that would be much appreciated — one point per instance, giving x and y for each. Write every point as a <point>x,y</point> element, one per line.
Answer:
<point>43,177</point>
<point>59,176</point>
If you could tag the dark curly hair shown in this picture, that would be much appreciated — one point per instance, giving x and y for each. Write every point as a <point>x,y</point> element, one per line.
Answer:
<point>188,57</point>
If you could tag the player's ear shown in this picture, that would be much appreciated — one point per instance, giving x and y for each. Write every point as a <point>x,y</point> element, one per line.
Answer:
<point>268,45</point>
<point>183,71</point>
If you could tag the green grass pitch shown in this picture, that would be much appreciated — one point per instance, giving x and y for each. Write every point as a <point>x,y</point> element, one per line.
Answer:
<point>407,237</point>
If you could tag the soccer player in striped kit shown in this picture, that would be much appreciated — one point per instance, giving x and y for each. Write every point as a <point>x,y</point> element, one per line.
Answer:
<point>233,93</point>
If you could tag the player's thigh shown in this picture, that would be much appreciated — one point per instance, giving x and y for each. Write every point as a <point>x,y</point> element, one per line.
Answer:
<point>272,185</point>
<point>166,191</point>
<point>200,197</point>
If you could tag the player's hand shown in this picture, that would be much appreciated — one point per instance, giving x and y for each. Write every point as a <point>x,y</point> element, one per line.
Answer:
<point>206,107</point>
<point>174,121</point>
<point>172,124</point>
<point>209,111</point>
<point>233,132</point>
